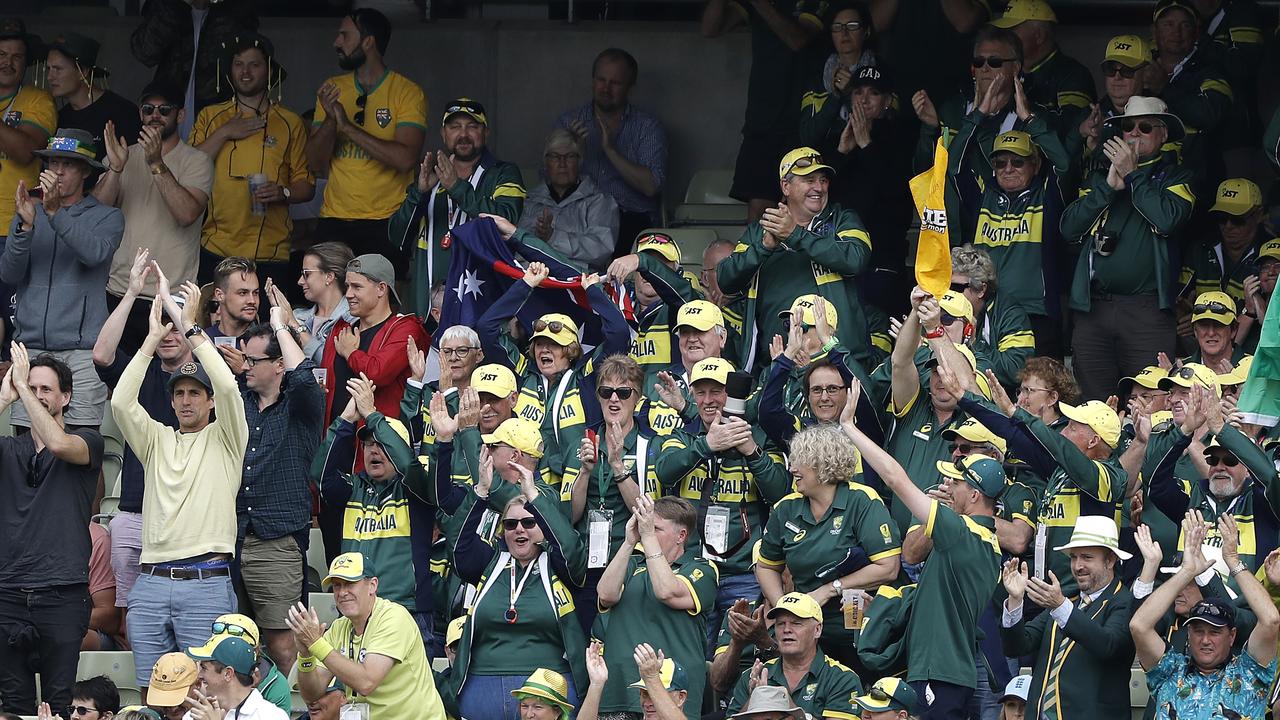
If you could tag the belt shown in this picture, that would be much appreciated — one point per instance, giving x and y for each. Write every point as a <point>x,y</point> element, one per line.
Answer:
<point>179,573</point>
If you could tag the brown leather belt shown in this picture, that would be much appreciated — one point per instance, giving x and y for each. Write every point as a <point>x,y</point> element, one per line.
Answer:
<point>184,573</point>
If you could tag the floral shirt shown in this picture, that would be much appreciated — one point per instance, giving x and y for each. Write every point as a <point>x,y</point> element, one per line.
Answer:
<point>1237,690</point>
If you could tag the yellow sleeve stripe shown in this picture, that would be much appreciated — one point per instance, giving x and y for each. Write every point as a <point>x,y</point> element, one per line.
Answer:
<point>855,233</point>
<point>886,554</point>
<point>1183,191</point>
<point>933,516</point>
<point>1023,518</point>
<point>1020,339</point>
<point>829,713</point>
<point>902,411</point>
<point>882,341</point>
<point>721,650</point>
<point>814,101</point>
<point>697,604</point>
<point>812,19</point>
<point>770,563</point>
<point>1248,35</point>
<point>1072,98</point>
<point>509,190</point>
<point>1104,482</point>
<point>1219,86</point>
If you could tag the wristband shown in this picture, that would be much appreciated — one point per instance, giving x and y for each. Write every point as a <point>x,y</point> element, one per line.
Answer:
<point>830,344</point>
<point>321,649</point>
<point>653,555</point>
<point>935,333</point>
<point>306,664</point>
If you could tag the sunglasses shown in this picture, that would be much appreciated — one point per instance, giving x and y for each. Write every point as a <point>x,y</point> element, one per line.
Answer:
<point>958,287</point>
<point>1016,162</point>
<point>164,109</point>
<point>879,695</point>
<point>965,448</point>
<point>852,26</point>
<point>1184,372</point>
<point>221,628</point>
<point>948,318</point>
<point>1114,69</point>
<point>510,524</point>
<point>1144,126</point>
<point>1221,459</point>
<point>555,326</point>
<point>655,238</point>
<point>994,63</point>
<point>81,710</point>
<point>457,352</point>
<point>804,162</point>
<point>826,390</point>
<point>1232,220</point>
<point>1213,307</point>
<point>604,392</point>
<point>361,101</point>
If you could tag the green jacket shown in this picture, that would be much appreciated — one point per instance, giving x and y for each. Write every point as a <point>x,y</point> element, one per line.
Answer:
<point>1063,86</point>
<point>656,345</point>
<point>497,191</point>
<point>823,258</point>
<point>1004,336</point>
<point>1205,269</point>
<point>1145,219</point>
<point>1201,97</point>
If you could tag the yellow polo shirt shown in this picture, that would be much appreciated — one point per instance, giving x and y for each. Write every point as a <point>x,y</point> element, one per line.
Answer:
<point>279,152</point>
<point>359,187</point>
<point>28,106</point>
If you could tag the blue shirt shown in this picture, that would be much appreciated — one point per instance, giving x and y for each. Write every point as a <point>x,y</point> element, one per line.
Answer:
<point>1240,687</point>
<point>640,139</point>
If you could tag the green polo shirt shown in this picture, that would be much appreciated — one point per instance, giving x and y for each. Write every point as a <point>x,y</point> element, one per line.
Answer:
<point>917,444</point>
<point>955,587</point>
<point>640,617</point>
<point>828,689</point>
<point>602,491</point>
<point>808,546</point>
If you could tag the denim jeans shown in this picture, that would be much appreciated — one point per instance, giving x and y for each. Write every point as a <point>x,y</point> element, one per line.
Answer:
<point>40,632</point>
<point>172,615</point>
<point>488,697</point>
<point>732,587</point>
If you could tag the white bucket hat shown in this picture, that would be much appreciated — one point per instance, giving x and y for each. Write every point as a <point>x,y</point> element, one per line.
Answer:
<point>1096,531</point>
<point>1140,106</point>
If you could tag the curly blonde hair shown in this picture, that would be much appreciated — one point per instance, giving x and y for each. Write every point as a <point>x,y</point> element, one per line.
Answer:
<point>827,450</point>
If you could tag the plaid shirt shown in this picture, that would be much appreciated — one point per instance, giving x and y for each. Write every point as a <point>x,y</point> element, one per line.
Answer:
<point>274,499</point>
<point>641,139</point>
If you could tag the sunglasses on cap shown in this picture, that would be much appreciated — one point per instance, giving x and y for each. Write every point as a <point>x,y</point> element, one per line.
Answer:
<point>655,238</point>
<point>1113,69</point>
<point>1144,126</point>
<point>804,162</point>
<point>878,694</point>
<point>555,326</point>
<point>965,448</point>
<point>459,108</point>
<point>1016,162</point>
<point>361,101</point>
<point>995,63</point>
<point>164,109</point>
<point>221,628</point>
<point>1213,307</point>
<point>1184,372</point>
<point>1222,458</point>
<point>604,392</point>
<point>1232,220</point>
<point>510,524</point>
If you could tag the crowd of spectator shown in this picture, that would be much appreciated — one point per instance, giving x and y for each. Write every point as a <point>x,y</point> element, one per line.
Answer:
<point>796,485</point>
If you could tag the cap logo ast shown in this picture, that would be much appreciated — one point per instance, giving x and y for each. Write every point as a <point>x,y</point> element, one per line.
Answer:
<point>1123,46</point>
<point>790,599</point>
<point>694,311</point>
<point>1230,193</point>
<point>489,377</point>
<point>383,116</point>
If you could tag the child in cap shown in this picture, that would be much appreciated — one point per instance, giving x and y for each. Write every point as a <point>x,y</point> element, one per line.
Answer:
<point>1014,701</point>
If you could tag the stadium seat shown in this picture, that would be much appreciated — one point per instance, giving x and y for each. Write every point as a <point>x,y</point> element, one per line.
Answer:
<point>1138,692</point>
<point>113,453</point>
<point>529,174</point>
<point>315,556</point>
<point>324,606</point>
<point>692,242</point>
<point>709,214</point>
<point>116,665</point>
<point>440,664</point>
<point>711,187</point>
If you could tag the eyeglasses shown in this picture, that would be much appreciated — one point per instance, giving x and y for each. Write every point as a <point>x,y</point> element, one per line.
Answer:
<point>879,695</point>
<point>250,361</point>
<point>164,109</point>
<point>1226,459</point>
<point>1144,126</point>
<point>848,27</point>
<point>510,524</point>
<point>1213,307</point>
<point>361,101</point>
<point>959,287</point>
<point>555,326</point>
<point>221,628</point>
<point>1113,69</point>
<point>655,239</point>
<point>964,448</point>
<point>308,273</point>
<point>994,63</point>
<point>826,390</point>
<point>457,352</point>
<point>1232,220</point>
<point>81,710</point>
<point>561,158</point>
<point>1016,162</point>
<point>604,392</point>
<point>1027,390</point>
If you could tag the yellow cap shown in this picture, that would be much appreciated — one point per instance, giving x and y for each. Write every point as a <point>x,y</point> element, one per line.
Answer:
<point>1214,305</point>
<point>660,243</point>
<point>802,161</point>
<point>1098,416</point>
<point>349,566</point>
<point>236,620</point>
<point>493,379</point>
<point>1130,51</point>
<point>523,435</point>
<point>1149,377</point>
<point>699,315</point>
<point>974,431</point>
<point>715,369</point>
<point>1192,374</point>
<point>1270,249</point>
<point>1238,374</point>
<point>546,326</point>
<point>956,304</point>
<point>453,633</point>
<point>1020,11</point>
<point>1237,196</point>
<point>671,674</point>
<point>1161,417</point>
<point>171,677</point>
<point>1016,142</point>
<point>802,605</point>
<point>805,305</point>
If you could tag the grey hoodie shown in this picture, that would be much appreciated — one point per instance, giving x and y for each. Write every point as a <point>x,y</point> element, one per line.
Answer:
<point>585,223</point>
<point>59,271</point>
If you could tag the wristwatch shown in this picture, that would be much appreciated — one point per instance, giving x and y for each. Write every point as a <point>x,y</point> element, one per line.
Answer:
<point>284,190</point>
<point>839,586</point>
<point>194,330</point>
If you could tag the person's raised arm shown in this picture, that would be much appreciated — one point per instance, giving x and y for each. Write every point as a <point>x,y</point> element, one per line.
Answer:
<point>290,351</point>
<point>649,663</point>
<point>104,348</point>
<point>1262,641</point>
<point>1148,643</point>
<point>185,204</point>
<point>667,586</point>
<point>964,15</point>
<point>736,272</point>
<point>495,341</point>
<point>136,424</point>
<point>116,155</point>
<point>795,33</point>
<point>889,470</point>
<point>68,448</point>
<point>598,673</point>
<point>614,578</point>
<point>400,153</point>
<point>331,468</point>
<point>719,16</point>
<point>905,378</point>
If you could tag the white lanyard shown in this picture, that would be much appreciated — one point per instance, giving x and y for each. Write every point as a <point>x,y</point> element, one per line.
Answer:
<point>554,409</point>
<point>455,216</point>
<point>511,615</point>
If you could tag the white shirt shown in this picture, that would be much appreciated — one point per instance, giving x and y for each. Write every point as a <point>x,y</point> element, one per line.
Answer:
<point>254,707</point>
<point>1060,614</point>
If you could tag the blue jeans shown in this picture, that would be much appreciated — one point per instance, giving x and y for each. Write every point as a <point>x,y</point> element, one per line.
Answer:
<point>488,697</point>
<point>732,588</point>
<point>172,615</point>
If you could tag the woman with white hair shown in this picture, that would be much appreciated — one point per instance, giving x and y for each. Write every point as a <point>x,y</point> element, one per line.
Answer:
<point>568,211</point>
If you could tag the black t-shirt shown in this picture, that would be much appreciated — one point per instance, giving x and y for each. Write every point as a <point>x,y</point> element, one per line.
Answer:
<point>342,371</point>
<point>93,118</point>
<point>153,396</point>
<point>45,506</point>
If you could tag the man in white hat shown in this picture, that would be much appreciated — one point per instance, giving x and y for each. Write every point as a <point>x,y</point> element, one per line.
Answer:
<point>1082,644</point>
<point>1129,220</point>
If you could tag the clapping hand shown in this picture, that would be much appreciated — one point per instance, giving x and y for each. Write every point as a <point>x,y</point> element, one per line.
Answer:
<point>924,109</point>
<point>545,225</point>
<point>670,392</point>
<point>117,150</point>
<point>445,170</point>
<point>778,221</point>
<point>346,340</point>
<point>597,669</point>
<point>759,677</point>
<point>417,360</point>
<point>362,389</point>
<point>1014,578</point>
<point>203,707</point>
<point>1230,539</point>
<point>1152,555</point>
<point>140,271</point>
<point>306,626</point>
<point>484,474</point>
<point>427,173</point>
<point>648,662</point>
<point>1045,593</point>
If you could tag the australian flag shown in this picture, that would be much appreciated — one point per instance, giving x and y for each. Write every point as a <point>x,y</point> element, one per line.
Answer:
<point>483,266</point>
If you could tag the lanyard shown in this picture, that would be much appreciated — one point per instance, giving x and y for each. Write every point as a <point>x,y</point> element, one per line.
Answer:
<point>511,615</point>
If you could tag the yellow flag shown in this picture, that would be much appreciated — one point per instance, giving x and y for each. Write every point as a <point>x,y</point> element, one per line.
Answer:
<point>933,252</point>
